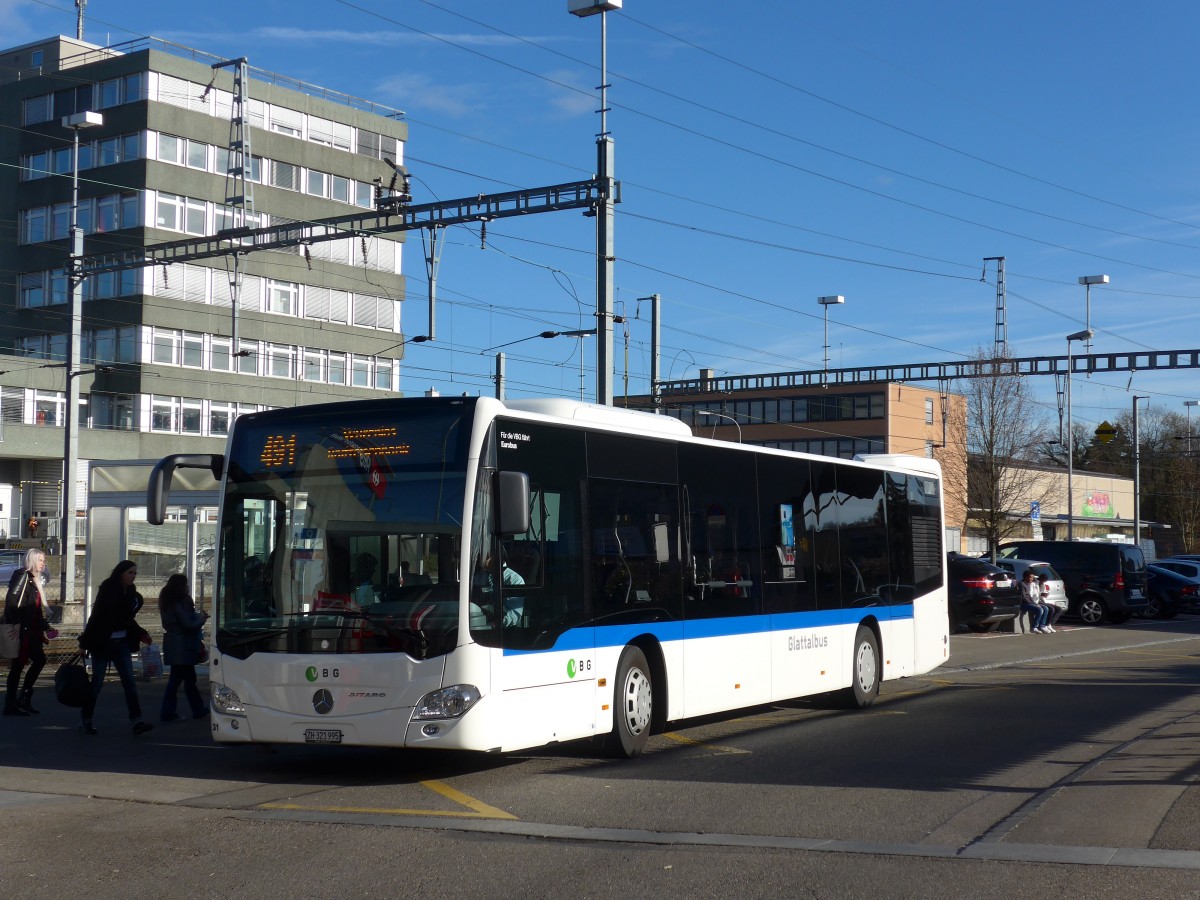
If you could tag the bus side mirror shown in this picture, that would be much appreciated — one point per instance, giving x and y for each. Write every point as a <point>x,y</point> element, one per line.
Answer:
<point>512,503</point>
<point>160,479</point>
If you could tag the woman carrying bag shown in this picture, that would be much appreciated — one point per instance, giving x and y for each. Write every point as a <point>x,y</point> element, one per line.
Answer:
<point>110,636</point>
<point>182,645</point>
<point>25,606</point>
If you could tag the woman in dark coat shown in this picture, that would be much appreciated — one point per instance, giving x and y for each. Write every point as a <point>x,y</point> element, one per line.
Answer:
<point>25,606</point>
<point>110,636</point>
<point>182,642</point>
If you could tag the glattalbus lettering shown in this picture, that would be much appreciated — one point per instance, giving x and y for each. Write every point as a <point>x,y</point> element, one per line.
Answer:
<point>807,641</point>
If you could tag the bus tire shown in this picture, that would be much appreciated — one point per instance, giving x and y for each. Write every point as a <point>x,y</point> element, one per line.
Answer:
<point>633,705</point>
<point>864,670</point>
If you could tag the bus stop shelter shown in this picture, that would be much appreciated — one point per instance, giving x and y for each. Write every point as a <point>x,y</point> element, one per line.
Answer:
<point>117,529</point>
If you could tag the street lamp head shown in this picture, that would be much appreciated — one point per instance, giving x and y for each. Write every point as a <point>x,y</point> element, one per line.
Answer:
<point>83,120</point>
<point>583,8</point>
<point>830,301</point>
<point>1093,279</point>
<point>1086,335</point>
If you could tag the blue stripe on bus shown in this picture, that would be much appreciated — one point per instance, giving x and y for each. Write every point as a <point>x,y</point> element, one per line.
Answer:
<point>577,639</point>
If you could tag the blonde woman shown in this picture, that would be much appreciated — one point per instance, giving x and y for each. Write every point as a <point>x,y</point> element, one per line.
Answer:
<point>24,605</point>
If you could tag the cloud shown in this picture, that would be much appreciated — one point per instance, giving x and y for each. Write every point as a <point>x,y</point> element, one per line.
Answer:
<point>572,103</point>
<point>418,91</point>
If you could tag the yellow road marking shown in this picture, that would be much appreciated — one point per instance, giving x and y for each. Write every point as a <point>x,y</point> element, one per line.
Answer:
<point>679,738</point>
<point>481,809</point>
<point>487,812</point>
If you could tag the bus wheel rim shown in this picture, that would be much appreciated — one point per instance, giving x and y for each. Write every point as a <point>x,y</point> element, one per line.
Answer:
<point>865,666</point>
<point>638,698</point>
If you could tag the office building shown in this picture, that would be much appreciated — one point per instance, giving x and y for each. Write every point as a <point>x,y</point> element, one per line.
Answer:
<point>160,372</point>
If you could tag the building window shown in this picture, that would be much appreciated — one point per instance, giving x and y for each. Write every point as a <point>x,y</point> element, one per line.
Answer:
<point>337,368</point>
<point>341,189</point>
<point>33,225</point>
<point>197,155</point>
<point>33,290</point>
<point>164,413</point>
<point>193,350</point>
<point>248,364</point>
<point>317,184</point>
<point>383,374</point>
<point>282,297</point>
<point>314,365</point>
<point>165,346</point>
<point>285,175</point>
<point>220,415</point>
<point>279,361</point>
<point>222,354</point>
<point>360,371</point>
<point>929,449</point>
<point>169,212</point>
<point>928,410</point>
<point>48,408</point>
<point>190,416</point>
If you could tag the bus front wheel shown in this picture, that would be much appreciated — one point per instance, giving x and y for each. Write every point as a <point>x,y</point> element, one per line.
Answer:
<point>864,670</point>
<point>633,705</point>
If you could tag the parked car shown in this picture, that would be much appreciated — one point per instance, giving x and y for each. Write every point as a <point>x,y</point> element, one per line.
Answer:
<point>1058,590</point>
<point>1191,557</point>
<point>980,595</point>
<point>1170,593</point>
<point>1181,565</point>
<point>1104,582</point>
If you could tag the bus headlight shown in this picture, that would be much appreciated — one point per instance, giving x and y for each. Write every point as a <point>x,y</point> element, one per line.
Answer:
<point>447,703</point>
<point>225,700</point>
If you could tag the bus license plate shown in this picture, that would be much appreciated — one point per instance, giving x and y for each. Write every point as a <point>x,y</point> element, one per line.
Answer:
<point>322,736</point>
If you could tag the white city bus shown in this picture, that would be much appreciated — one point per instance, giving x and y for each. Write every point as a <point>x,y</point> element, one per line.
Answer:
<point>463,573</point>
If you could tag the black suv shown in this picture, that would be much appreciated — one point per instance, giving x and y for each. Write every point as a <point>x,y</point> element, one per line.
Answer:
<point>980,595</point>
<point>1104,582</point>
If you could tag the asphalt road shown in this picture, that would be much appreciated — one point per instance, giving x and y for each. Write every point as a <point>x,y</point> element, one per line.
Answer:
<point>1028,766</point>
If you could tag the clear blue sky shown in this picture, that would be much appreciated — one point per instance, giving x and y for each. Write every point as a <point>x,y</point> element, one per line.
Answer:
<point>770,153</point>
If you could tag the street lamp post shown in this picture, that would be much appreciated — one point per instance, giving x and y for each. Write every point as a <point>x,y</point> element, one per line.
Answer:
<point>1137,476</point>
<point>605,173</point>
<point>1087,281</point>
<point>1085,335</point>
<point>717,415</point>
<point>76,123</point>
<point>827,302</point>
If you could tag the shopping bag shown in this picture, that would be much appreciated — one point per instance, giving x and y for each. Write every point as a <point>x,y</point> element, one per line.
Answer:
<point>10,641</point>
<point>152,664</point>
<point>71,685</point>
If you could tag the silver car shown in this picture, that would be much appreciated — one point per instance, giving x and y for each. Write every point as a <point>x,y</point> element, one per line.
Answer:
<point>1058,591</point>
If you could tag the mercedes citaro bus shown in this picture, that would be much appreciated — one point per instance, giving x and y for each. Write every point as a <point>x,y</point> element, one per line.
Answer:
<point>465,573</point>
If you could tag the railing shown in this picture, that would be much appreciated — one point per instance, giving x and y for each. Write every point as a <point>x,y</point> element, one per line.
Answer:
<point>293,84</point>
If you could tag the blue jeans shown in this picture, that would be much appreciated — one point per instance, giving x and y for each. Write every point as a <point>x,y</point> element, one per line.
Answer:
<point>1039,616</point>
<point>117,652</point>
<point>185,675</point>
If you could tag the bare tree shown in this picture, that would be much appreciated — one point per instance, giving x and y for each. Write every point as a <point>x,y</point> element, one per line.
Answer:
<point>1001,436</point>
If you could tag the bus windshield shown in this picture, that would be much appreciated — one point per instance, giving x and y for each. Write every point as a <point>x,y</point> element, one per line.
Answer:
<point>341,533</point>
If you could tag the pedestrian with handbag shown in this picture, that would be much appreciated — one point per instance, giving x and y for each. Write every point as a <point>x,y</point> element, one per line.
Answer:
<point>183,642</point>
<point>110,636</point>
<point>25,606</point>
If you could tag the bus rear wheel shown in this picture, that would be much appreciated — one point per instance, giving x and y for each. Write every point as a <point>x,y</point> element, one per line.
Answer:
<point>864,670</point>
<point>633,705</point>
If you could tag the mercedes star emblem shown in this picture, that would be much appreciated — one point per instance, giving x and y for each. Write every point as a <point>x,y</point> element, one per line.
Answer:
<point>323,702</point>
